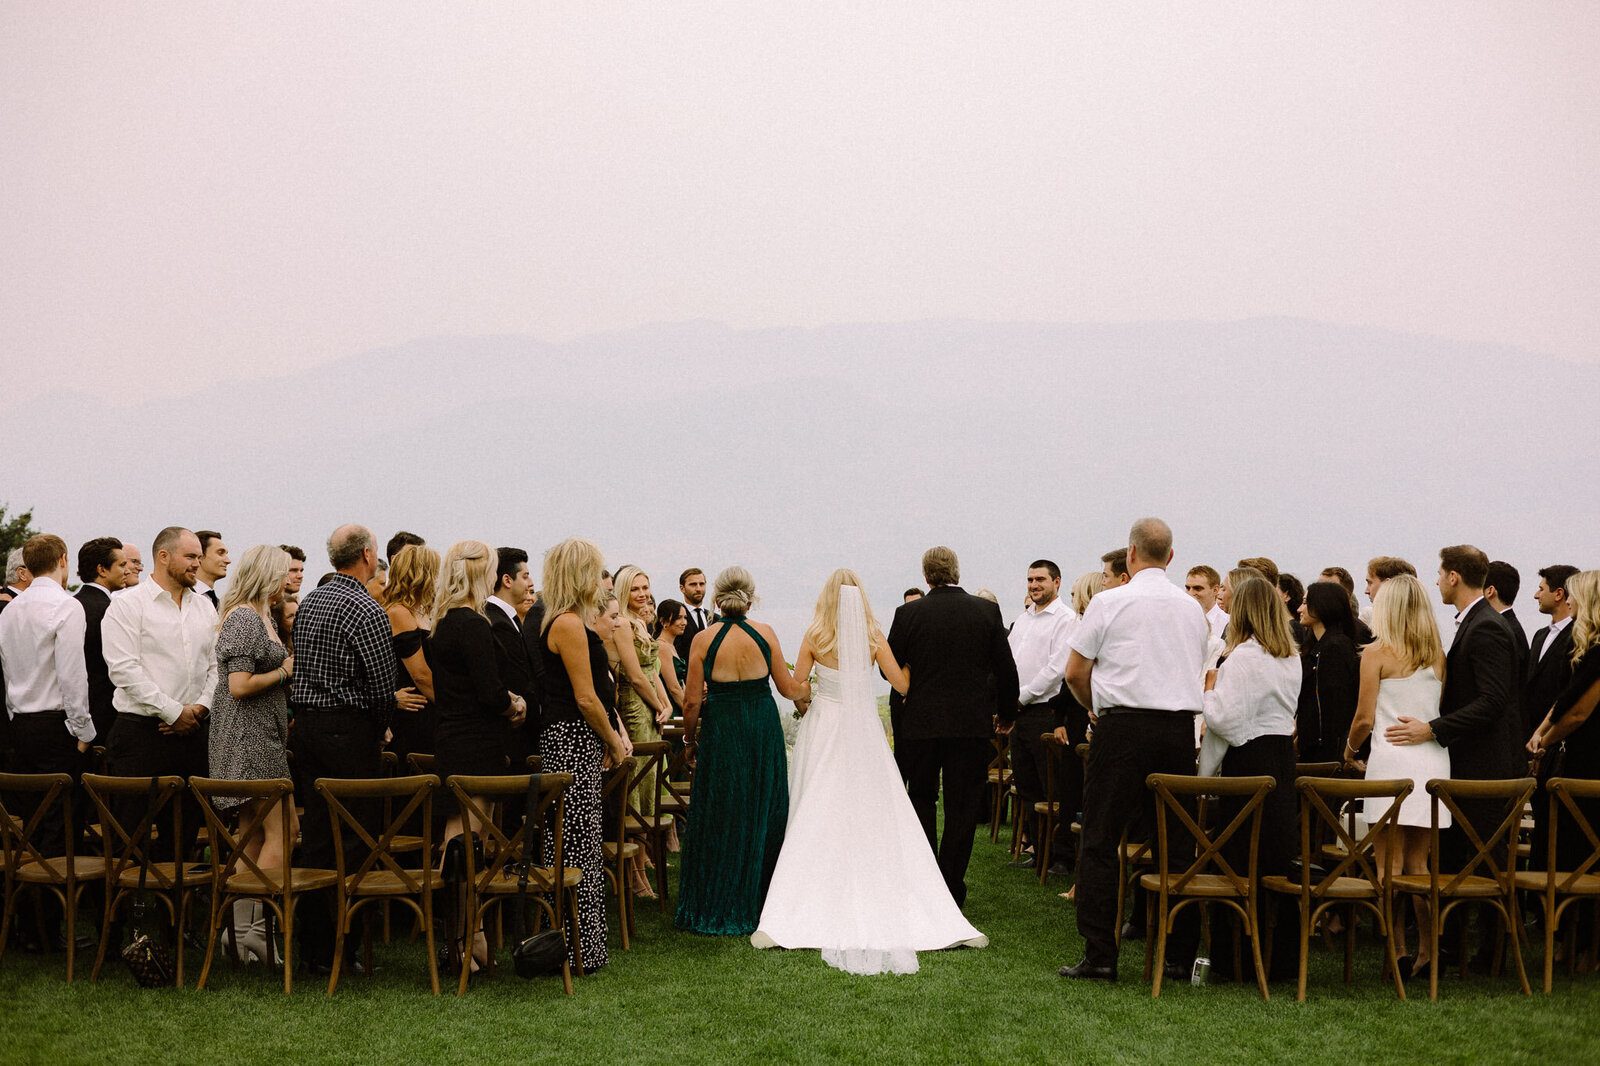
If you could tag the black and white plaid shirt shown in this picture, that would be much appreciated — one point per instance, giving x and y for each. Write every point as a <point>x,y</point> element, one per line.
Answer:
<point>343,656</point>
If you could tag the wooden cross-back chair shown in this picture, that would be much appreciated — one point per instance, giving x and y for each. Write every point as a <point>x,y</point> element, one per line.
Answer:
<point>1000,778</point>
<point>380,876</point>
<point>236,876</point>
<point>1559,889</point>
<point>494,876</point>
<point>1209,877</point>
<point>1047,812</point>
<point>650,761</point>
<point>65,876</point>
<point>1496,857</point>
<point>130,856</point>
<point>678,781</point>
<point>617,847</point>
<point>420,762</point>
<point>1355,880</point>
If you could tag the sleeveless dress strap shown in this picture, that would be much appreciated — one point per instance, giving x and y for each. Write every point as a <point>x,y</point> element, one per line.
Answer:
<point>711,652</point>
<point>766,651</point>
<point>716,642</point>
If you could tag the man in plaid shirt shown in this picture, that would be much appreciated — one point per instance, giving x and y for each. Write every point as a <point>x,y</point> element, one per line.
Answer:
<point>343,695</point>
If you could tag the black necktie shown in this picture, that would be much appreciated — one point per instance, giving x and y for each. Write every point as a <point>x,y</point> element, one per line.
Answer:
<point>211,594</point>
<point>699,618</point>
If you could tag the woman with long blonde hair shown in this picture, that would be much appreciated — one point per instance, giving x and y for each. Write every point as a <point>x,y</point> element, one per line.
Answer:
<point>408,601</point>
<point>1402,676</point>
<point>249,732</point>
<point>856,878</point>
<point>641,698</point>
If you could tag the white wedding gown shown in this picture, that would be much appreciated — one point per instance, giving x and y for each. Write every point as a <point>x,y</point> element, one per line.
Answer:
<point>856,877</point>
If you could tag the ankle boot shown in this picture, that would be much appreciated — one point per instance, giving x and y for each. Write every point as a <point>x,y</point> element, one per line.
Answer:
<point>244,929</point>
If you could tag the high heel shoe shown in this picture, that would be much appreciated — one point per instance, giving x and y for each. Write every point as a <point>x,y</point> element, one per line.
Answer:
<point>250,933</point>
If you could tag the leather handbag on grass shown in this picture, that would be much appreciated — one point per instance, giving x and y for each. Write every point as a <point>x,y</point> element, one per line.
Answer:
<point>147,958</point>
<point>542,953</point>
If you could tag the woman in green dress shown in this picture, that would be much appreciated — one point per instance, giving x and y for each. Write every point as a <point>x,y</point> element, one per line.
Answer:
<point>641,699</point>
<point>741,789</point>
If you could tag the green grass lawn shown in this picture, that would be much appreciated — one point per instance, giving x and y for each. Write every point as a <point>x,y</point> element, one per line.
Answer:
<point>682,998</point>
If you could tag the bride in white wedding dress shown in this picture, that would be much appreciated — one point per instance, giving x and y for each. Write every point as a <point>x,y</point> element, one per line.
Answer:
<point>856,877</point>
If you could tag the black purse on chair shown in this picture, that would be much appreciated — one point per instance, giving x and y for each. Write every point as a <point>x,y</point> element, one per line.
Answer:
<point>541,954</point>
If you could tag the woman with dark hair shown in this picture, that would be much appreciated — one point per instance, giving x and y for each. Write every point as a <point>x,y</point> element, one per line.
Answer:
<point>1331,674</point>
<point>672,618</point>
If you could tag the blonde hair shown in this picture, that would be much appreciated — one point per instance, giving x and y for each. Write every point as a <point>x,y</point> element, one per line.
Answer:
<point>1259,611</point>
<point>260,572</point>
<point>823,632</point>
<point>1583,590</point>
<point>622,582</point>
<point>1403,622</point>
<point>570,581</point>
<point>1085,589</point>
<point>413,574</point>
<point>734,591</point>
<point>466,576</point>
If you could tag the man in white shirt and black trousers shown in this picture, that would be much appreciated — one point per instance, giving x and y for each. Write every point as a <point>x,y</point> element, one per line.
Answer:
<point>1138,659</point>
<point>1038,641</point>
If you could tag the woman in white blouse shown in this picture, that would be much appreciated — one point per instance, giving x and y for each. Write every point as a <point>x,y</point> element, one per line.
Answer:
<point>1250,702</point>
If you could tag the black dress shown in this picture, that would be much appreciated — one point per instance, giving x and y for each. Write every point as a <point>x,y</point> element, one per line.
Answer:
<point>473,728</point>
<point>413,730</point>
<point>1580,756</point>
<point>1331,683</point>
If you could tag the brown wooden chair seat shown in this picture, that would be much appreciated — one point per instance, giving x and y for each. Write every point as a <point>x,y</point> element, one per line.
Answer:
<point>1496,857</point>
<point>1172,890</point>
<point>494,877</point>
<point>64,876</point>
<point>1559,890</point>
<point>650,759</point>
<point>236,876</point>
<point>380,876</point>
<point>1354,879</point>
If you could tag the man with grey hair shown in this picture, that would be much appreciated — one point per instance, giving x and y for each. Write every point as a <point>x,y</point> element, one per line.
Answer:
<point>343,694</point>
<point>1137,661</point>
<point>18,577</point>
<point>130,552</point>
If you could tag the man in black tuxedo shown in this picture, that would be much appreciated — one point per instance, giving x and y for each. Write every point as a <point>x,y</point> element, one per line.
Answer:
<point>103,569</point>
<point>1549,671</point>
<point>897,705</point>
<point>692,584</point>
<point>962,679</point>
<point>1500,589</point>
<point>512,583</point>
<point>213,565</point>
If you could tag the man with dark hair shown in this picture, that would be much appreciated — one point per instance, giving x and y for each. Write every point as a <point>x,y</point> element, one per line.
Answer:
<point>1038,642</point>
<point>692,585</point>
<point>1550,659</point>
<point>1137,662</point>
<point>297,569</point>
<point>1500,589</point>
<point>213,564</point>
<point>897,702</point>
<point>962,678</point>
<point>343,692</point>
<point>103,569</point>
<point>1338,575</point>
<point>512,584</point>
<point>1114,568</point>
<point>398,541</point>
<point>1268,568</point>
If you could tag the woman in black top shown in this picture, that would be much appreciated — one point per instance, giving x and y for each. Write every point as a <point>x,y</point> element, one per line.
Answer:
<point>1332,674</point>
<point>408,601</point>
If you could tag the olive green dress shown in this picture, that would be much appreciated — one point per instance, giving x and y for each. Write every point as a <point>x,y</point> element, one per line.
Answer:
<point>639,719</point>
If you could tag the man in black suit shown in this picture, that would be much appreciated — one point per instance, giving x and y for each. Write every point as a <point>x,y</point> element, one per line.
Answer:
<point>692,584</point>
<point>897,705</point>
<point>962,679</point>
<point>213,565</point>
<point>1500,589</point>
<point>1549,671</point>
<point>512,584</point>
<point>103,569</point>
<point>18,577</point>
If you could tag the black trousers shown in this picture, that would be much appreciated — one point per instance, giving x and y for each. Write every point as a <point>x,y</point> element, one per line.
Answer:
<point>138,748</point>
<point>330,743</point>
<point>963,762</point>
<point>1029,767</point>
<point>43,746</point>
<point>1277,849</point>
<point>1128,746</point>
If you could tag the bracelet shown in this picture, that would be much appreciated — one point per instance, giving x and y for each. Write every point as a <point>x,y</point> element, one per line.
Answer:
<point>283,678</point>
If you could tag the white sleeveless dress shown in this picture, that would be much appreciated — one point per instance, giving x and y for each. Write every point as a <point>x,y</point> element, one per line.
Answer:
<point>856,877</point>
<point>1415,696</point>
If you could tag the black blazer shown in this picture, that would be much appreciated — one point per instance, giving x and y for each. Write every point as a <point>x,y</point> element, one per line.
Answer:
<point>533,648</point>
<point>693,629</point>
<point>1479,713</point>
<point>1330,684</point>
<point>466,676</point>
<point>511,654</point>
<point>1520,646</point>
<point>95,600</point>
<point>1546,677</point>
<point>962,672</point>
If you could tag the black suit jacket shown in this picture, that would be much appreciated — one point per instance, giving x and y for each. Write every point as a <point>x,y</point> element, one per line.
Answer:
<point>1479,713</point>
<point>511,655</point>
<point>962,672</point>
<point>1546,676</point>
<point>692,630</point>
<point>95,599</point>
<point>532,643</point>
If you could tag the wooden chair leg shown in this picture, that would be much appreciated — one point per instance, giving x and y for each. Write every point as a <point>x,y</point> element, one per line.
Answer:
<point>339,933</point>
<point>211,939</point>
<point>1305,949</point>
<point>1516,945</point>
<point>427,926</point>
<point>1160,960</point>
<point>1435,918</point>
<point>289,904</point>
<point>105,935</point>
<point>1253,920</point>
<point>1349,943</point>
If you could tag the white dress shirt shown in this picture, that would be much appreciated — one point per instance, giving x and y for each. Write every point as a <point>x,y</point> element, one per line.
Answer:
<point>1039,645</point>
<point>1217,619</point>
<point>41,645</point>
<point>1255,695</point>
<point>1555,629</point>
<point>1148,639</point>
<point>160,655</point>
<point>511,612</point>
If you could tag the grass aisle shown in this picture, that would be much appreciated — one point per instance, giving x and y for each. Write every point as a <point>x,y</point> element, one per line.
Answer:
<point>691,999</point>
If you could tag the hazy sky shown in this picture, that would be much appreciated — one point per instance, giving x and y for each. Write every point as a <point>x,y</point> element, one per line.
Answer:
<point>196,192</point>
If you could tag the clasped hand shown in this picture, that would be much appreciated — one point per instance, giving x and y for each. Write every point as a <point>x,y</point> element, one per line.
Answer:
<point>1408,731</point>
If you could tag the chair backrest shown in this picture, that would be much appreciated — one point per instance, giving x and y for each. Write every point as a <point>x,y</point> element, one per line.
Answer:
<point>1565,796</point>
<point>614,787</point>
<point>1321,799</point>
<point>1317,769</point>
<point>54,791</point>
<point>420,762</point>
<point>1001,759</point>
<point>648,756</point>
<point>1171,790</point>
<point>502,849</point>
<point>1053,752</point>
<point>227,845</point>
<point>417,794</point>
<point>680,773</point>
<point>534,764</point>
<point>127,846</point>
<point>1447,793</point>
<point>388,764</point>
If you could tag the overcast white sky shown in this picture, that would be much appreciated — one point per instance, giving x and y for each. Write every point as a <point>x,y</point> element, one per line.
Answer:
<point>195,192</point>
